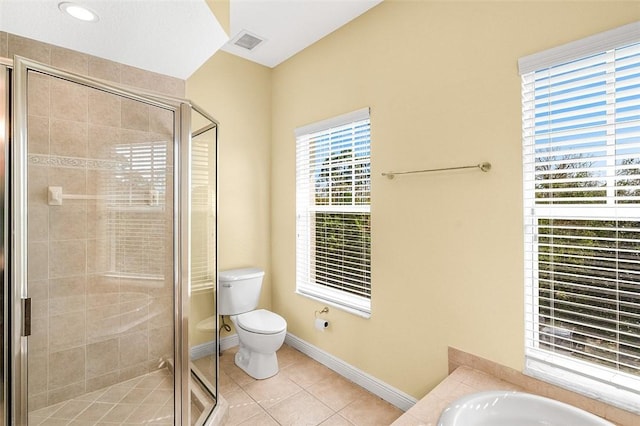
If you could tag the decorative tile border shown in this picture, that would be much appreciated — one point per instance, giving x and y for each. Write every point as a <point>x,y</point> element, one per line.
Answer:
<point>74,163</point>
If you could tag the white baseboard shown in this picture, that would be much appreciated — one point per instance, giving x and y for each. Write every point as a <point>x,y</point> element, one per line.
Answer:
<point>377,387</point>
<point>229,342</point>
<point>209,348</point>
<point>385,391</point>
<point>202,350</point>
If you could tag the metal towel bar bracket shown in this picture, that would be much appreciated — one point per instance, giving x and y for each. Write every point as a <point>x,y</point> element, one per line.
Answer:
<point>485,167</point>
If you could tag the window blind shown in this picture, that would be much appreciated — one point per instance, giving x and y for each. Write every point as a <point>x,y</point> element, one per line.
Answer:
<point>203,186</point>
<point>581,152</point>
<point>333,173</point>
<point>137,220</point>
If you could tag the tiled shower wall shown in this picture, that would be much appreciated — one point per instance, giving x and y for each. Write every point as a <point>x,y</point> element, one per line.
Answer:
<point>101,285</point>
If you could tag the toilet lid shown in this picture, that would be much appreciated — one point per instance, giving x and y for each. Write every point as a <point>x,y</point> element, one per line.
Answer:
<point>261,321</point>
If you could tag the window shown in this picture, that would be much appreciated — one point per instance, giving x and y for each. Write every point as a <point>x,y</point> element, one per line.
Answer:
<point>581,151</point>
<point>333,226</point>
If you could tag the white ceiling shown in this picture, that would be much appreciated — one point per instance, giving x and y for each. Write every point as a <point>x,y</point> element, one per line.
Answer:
<point>175,37</point>
<point>288,26</point>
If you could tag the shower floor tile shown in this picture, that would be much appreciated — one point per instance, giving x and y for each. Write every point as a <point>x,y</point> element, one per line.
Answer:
<point>146,399</point>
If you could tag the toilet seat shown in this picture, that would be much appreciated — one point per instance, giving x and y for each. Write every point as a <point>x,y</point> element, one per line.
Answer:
<point>261,321</point>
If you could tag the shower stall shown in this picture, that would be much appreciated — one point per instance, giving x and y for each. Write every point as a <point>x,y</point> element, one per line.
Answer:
<point>109,224</point>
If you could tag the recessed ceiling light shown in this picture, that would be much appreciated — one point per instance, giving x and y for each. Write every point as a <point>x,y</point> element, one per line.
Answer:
<point>78,12</point>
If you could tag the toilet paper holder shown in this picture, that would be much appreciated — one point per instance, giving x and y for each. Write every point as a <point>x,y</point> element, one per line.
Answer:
<point>324,310</point>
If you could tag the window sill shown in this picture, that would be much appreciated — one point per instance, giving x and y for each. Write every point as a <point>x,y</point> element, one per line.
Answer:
<point>564,373</point>
<point>335,304</point>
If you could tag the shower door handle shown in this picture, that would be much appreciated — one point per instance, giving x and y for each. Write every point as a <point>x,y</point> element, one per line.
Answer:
<point>26,317</point>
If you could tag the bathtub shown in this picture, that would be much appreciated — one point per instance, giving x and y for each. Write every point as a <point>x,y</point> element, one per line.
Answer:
<point>508,408</point>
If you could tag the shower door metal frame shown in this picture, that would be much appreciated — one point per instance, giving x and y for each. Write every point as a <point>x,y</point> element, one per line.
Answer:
<point>5,79</point>
<point>181,201</point>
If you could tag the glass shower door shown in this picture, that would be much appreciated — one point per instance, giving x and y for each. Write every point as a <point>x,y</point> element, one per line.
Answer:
<point>97,242</point>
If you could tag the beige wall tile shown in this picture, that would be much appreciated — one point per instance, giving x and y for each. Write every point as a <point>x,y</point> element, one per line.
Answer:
<point>38,261</point>
<point>97,255</point>
<point>102,141</point>
<point>38,223</point>
<point>4,52</point>
<point>38,96</point>
<point>68,221</point>
<point>66,367</point>
<point>72,181</point>
<point>65,393</point>
<point>103,323</point>
<point>161,121</point>
<point>135,115</point>
<point>68,138</point>
<point>67,331</point>
<point>101,359</point>
<point>35,50</point>
<point>67,258</point>
<point>160,343</point>
<point>38,178</point>
<point>38,371</point>
<point>67,295</point>
<point>133,349</point>
<point>134,315</point>
<point>69,101</point>
<point>39,294</point>
<point>104,69</point>
<point>103,381</point>
<point>38,131</point>
<point>104,108</point>
<point>152,82</point>
<point>39,339</point>
<point>69,60</point>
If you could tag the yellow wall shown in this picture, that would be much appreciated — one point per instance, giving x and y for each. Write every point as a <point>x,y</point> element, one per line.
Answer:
<point>238,94</point>
<point>442,82</point>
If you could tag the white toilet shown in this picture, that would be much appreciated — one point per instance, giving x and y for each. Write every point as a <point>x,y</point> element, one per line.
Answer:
<point>260,332</point>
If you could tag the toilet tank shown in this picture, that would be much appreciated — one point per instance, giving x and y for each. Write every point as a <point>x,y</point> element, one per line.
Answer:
<point>239,290</point>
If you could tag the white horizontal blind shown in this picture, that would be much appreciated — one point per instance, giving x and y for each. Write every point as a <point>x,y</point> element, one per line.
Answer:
<point>202,213</point>
<point>333,174</point>
<point>581,136</point>
<point>137,216</point>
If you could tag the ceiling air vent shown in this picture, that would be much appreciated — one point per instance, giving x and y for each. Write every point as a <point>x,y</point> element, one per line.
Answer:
<point>247,41</point>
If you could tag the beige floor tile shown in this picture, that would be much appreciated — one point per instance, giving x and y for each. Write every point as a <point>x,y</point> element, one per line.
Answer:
<point>54,422</point>
<point>35,420</point>
<point>271,391</point>
<point>114,394</point>
<point>143,413</point>
<point>159,397</point>
<point>262,419</point>
<point>307,372</point>
<point>241,407</point>
<point>337,392</point>
<point>94,412</point>
<point>119,413</point>
<point>336,420</point>
<point>226,384</point>
<point>300,409</point>
<point>370,411</point>
<point>288,356</point>
<point>71,409</point>
<point>409,420</point>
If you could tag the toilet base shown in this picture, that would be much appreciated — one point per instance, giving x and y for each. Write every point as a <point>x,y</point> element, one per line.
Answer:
<point>257,365</point>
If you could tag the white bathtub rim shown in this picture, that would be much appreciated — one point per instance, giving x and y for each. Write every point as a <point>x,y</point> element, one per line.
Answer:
<point>465,410</point>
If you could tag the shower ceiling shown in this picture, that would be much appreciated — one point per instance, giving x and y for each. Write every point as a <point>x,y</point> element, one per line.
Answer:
<point>175,37</point>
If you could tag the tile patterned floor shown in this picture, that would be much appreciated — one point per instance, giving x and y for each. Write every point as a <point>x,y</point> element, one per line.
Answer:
<point>303,393</point>
<point>146,399</point>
